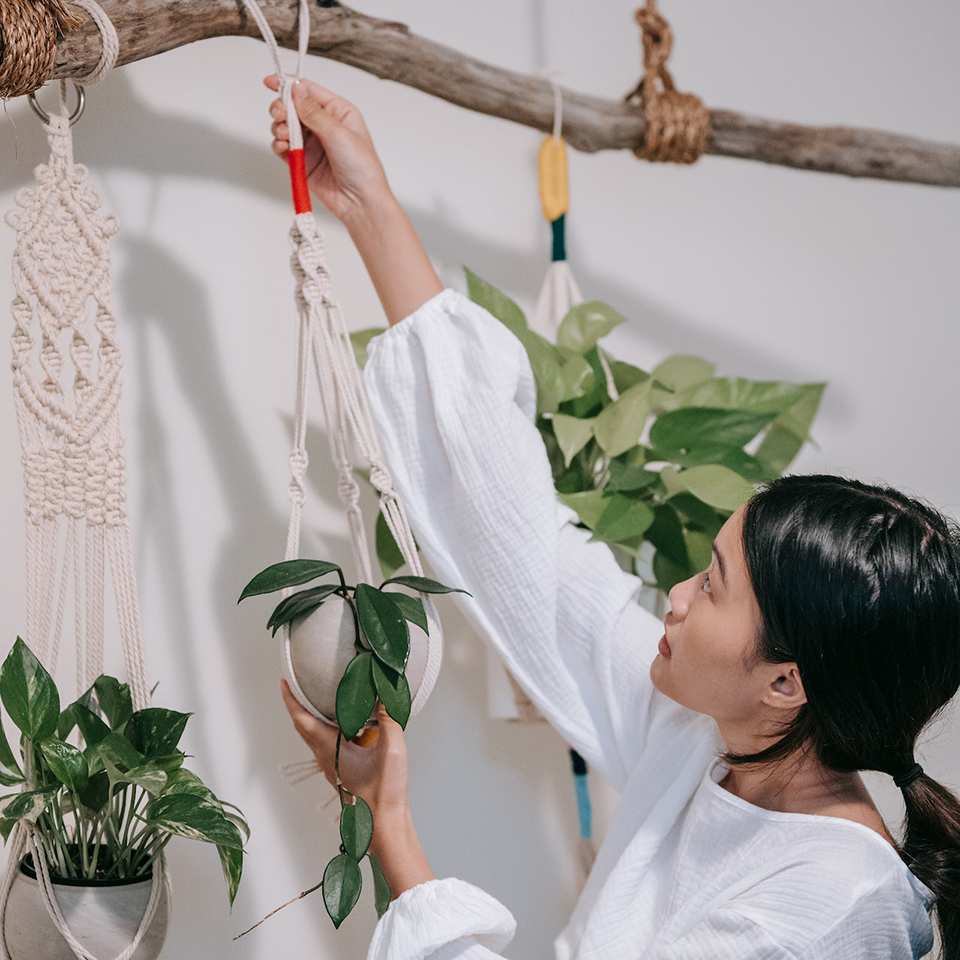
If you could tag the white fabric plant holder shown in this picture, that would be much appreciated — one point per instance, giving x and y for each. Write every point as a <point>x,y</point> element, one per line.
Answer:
<point>323,341</point>
<point>66,376</point>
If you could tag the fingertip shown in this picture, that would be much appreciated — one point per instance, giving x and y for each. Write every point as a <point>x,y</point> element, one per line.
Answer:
<point>272,82</point>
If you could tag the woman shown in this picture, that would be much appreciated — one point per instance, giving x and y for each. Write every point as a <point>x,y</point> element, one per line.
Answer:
<point>821,640</point>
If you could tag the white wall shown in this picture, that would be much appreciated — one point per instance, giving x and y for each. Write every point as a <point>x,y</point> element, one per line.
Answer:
<point>770,272</point>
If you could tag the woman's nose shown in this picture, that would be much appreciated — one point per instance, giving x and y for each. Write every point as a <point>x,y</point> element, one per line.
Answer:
<point>679,598</point>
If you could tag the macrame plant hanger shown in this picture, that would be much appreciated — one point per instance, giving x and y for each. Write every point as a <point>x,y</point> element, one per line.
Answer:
<point>72,442</point>
<point>324,340</point>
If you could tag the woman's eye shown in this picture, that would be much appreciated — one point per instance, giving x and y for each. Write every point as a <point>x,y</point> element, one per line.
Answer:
<point>706,582</point>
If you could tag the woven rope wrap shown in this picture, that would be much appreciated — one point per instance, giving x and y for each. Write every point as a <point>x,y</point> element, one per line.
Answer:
<point>29,30</point>
<point>678,124</point>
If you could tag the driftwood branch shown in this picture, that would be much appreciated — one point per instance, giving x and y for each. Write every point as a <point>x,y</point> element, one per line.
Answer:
<point>389,50</point>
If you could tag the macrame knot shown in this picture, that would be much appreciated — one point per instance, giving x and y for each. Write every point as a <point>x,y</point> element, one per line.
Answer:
<point>678,124</point>
<point>29,31</point>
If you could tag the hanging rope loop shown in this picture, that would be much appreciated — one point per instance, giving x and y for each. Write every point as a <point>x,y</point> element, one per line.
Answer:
<point>29,31</point>
<point>678,124</point>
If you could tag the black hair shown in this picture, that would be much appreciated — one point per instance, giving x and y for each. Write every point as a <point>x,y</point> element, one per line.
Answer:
<point>859,585</point>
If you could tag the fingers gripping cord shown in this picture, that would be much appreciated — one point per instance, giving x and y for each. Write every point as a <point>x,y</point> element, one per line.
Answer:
<point>72,445</point>
<point>323,340</point>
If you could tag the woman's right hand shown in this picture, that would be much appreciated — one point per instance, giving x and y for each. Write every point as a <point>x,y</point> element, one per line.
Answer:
<point>343,168</point>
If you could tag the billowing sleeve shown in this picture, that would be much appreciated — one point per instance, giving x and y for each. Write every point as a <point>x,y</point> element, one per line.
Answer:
<point>454,400</point>
<point>443,920</point>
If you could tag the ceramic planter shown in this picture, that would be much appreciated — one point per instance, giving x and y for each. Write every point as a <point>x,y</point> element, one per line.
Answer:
<point>103,915</point>
<point>321,645</point>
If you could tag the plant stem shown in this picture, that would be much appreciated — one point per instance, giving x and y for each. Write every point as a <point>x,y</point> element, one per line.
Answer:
<point>336,767</point>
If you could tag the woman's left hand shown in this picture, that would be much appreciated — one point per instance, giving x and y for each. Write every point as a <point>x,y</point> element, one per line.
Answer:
<point>378,772</point>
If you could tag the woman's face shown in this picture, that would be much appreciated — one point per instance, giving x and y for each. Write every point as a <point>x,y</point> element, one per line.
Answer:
<point>706,660</point>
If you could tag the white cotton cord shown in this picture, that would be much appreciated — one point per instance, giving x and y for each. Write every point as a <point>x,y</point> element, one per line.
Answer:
<point>49,897</point>
<point>323,335</point>
<point>110,43</point>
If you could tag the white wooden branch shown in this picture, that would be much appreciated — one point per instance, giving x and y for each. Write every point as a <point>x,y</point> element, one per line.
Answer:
<point>389,50</point>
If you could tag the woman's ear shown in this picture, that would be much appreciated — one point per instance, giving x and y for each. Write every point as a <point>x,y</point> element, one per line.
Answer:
<point>785,689</point>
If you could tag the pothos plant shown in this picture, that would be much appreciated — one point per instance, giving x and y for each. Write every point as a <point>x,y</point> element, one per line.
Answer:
<point>652,463</point>
<point>376,672</point>
<point>106,809</point>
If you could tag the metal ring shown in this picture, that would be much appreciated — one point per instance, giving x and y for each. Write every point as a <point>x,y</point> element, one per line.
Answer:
<point>73,118</point>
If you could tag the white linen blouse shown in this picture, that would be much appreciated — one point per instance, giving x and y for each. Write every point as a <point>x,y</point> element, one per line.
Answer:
<point>687,871</point>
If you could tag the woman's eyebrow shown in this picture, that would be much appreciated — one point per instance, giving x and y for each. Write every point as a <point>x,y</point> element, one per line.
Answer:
<point>721,565</point>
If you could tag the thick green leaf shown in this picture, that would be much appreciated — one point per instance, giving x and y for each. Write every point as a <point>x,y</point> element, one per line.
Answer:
<point>697,512</point>
<point>497,303</point>
<point>10,772</point>
<point>231,861</point>
<point>66,763</point>
<point>668,573</point>
<point>360,341</point>
<point>185,781</point>
<point>356,695</point>
<point>738,393</point>
<point>114,699</point>
<point>287,573</point>
<point>619,426</point>
<point>424,585</point>
<point>586,323</point>
<point>194,818</point>
<point>388,553</point>
<point>596,397</point>
<point>625,375</point>
<point>299,605</point>
<point>547,367</point>
<point>789,431</point>
<point>624,477</point>
<point>156,731</point>
<point>115,748</point>
<point>341,887</point>
<point>383,625</point>
<point>29,693</point>
<point>681,371</point>
<point>97,792</point>
<point>576,375</point>
<point>700,549</point>
<point>91,726</point>
<point>572,434</point>
<point>394,692</point>
<point>666,534</point>
<point>412,610</point>
<point>356,828</point>
<point>588,505</point>
<point>6,828</point>
<point>381,889</point>
<point>28,805</point>
<point>718,486</point>
<point>623,519</point>
<point>151,780</point>
<point>699,431</point>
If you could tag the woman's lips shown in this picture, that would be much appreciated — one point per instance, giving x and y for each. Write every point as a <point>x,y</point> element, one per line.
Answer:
<point>664,647</point>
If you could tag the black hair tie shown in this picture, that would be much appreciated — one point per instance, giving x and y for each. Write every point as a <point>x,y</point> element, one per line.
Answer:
<point>905,779</point>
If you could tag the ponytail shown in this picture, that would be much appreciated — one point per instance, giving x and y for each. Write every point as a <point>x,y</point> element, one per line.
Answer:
<point>931,849</point>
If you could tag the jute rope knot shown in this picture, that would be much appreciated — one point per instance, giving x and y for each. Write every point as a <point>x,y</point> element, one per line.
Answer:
<point>29,31</point>
<point>678,124</point>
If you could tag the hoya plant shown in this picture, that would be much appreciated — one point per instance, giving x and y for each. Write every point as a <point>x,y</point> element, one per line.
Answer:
<point>377,671</point>
<point>652,463</point>
<point>104,806</point>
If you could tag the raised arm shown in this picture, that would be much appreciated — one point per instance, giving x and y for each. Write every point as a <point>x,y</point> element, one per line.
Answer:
<point>344,171</point>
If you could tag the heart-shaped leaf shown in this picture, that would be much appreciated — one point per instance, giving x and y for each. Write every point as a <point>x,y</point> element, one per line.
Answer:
<point>194,818</point>
<point>28,805</point>
<point>66,763</point>
<point>156,731</point>
<point>10,772</point>
<point>29,693</point>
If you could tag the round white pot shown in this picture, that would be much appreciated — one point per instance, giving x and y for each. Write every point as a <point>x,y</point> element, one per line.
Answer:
<point>103,916</point>
<point>321,645</point>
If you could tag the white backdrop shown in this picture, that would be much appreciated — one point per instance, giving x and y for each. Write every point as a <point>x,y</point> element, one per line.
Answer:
<point>770,272</point>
